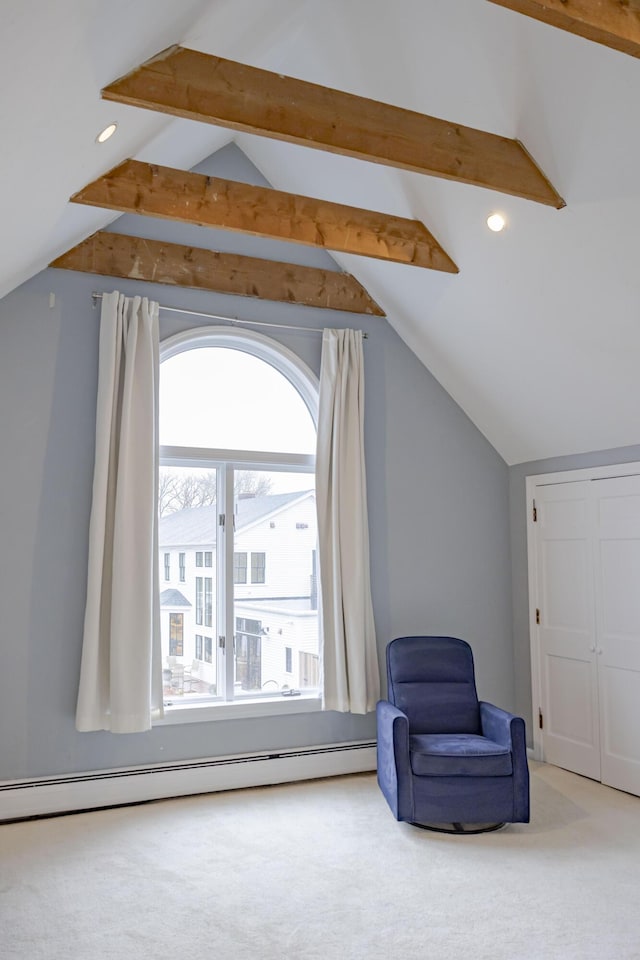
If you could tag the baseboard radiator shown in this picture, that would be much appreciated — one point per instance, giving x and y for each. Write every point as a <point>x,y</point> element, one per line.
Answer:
<point>47,796</point>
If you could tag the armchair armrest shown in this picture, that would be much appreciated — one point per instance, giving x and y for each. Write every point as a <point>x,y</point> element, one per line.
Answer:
<point>509,730</point>
<point>394,768</point>
<point>393,725</point>
<point>500,725</point>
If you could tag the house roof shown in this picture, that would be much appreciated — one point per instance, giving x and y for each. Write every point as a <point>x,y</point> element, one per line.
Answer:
<point>199,525</point>
<point>173,598</point>
<point>196,525</point>
<point>537,337</point>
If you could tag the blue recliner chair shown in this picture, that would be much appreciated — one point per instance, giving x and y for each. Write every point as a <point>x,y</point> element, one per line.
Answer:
<point>447,761</point>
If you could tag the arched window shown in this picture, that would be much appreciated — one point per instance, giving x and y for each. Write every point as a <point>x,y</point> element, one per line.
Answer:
<point>237,530</point>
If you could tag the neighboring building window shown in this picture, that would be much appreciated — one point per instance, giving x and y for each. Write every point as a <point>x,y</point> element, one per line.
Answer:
<point>257,567</point>
<point>176,634</point>
<point>167,566</point>
<point>208,602</point>
<point>248,653</point>
<point>229,517</point>
<point>199,601</point>
<point>246,625</point>
<point>309,670</point>
<point>240,568</point>
<point>313,586</point>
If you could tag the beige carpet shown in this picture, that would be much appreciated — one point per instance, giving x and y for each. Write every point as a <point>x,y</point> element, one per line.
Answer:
<point>322,870</point>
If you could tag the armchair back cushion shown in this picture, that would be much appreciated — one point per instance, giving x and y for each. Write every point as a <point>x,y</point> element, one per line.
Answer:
<point>434,687</point>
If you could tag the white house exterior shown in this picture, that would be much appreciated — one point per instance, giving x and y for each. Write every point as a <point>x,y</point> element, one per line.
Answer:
<point>275,628</point>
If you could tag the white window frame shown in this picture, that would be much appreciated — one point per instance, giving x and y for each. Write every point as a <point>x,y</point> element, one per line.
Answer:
<point>225,461</point>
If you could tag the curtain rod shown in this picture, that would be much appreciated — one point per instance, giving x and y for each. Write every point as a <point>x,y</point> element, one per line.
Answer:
<point>216,316</point>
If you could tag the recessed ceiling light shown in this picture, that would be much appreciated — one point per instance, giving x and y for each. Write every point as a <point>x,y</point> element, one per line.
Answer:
<point>106,133</point>
<point>496,222</point>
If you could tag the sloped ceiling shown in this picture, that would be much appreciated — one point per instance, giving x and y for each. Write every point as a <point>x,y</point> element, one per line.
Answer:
<point>538,336</point>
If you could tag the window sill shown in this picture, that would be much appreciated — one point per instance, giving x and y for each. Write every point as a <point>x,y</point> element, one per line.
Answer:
<point>239,710</point>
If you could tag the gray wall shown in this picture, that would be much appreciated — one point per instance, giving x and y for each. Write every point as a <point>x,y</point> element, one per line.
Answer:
<point>518,523</point>
<point>438,508</point>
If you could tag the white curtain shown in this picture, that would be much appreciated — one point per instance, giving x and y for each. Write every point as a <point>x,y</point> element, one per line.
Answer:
<point>120,678</point>
<point>351,680</point>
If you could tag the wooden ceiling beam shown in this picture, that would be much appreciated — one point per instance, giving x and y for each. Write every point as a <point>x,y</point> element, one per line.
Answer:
<point>199,86</point>
<point>614,23</point>
<point>135,258</point>
<point>143,188</point>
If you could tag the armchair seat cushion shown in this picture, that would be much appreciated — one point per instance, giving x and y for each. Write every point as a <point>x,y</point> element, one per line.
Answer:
<point>458,755</point>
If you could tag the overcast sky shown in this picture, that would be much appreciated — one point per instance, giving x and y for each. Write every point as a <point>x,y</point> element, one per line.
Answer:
<point>222,398</point>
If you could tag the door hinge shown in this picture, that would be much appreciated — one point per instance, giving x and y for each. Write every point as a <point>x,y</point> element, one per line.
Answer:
<point>221,520</point>
<point>537,615</point>
<point>222,642</point>
<point>540,719</point>
<point>535,512</point>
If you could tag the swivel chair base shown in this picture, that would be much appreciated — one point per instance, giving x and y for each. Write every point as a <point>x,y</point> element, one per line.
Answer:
<point>459,828</point>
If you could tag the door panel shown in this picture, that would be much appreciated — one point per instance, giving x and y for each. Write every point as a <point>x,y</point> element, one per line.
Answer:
<point>571,733</point>
<point>565,607</point>
<point>571,717</point>
<point>618,613</point>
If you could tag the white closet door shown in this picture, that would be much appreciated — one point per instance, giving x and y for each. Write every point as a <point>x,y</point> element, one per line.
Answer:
<point>618,635</point>
<point>569,688</point>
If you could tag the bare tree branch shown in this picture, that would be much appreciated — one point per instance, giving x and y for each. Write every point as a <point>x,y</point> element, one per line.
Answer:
<point>186,490</point>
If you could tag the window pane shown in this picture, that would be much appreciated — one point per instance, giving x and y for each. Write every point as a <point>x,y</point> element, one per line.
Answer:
<point>268,412</point>
<point>176,634</point>
<point>199,601</point>
<point>258,565</point>
<point>240,568</point>
<point>208,602</point>
<point>188,524</point>
<point>276,614</point>
<point>222,398</point>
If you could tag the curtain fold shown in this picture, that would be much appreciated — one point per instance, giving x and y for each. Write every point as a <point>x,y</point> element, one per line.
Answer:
<point>351,679</point>
<point>120,677</point>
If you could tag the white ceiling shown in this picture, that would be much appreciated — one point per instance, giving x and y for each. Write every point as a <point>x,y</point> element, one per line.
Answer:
<point>538,337</point>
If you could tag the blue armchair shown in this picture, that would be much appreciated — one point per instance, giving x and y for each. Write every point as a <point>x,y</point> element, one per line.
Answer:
<point>447,761</point>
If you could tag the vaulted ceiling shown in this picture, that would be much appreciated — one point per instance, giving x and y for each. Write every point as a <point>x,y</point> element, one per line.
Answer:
<point>538,334</point>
